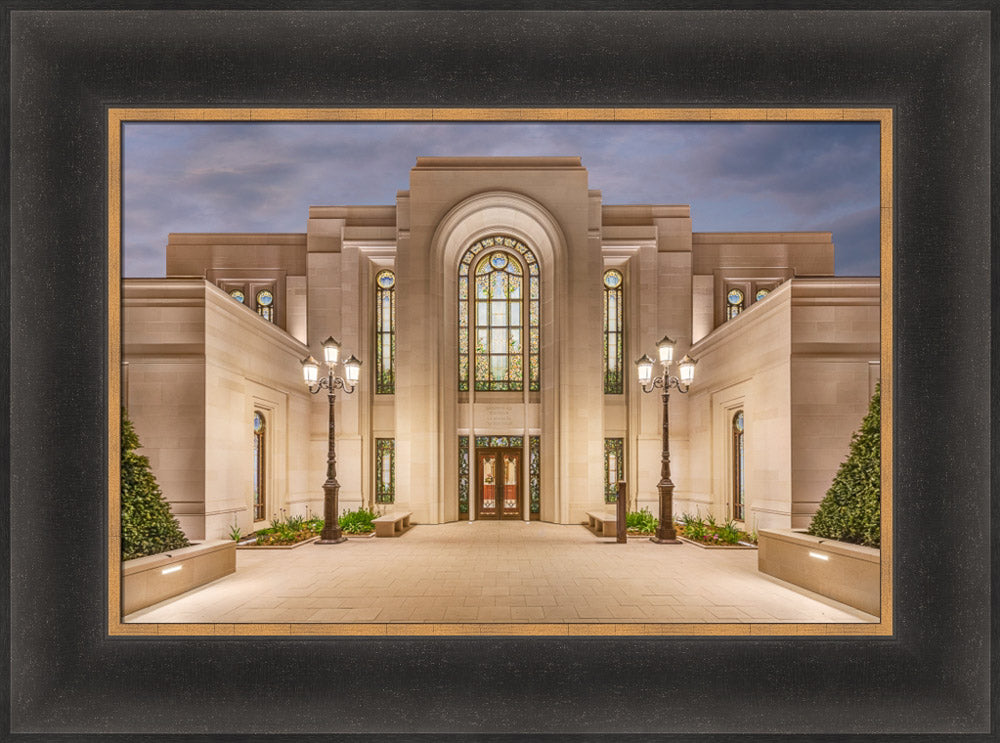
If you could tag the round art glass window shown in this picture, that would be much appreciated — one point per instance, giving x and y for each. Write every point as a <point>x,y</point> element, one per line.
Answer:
<point>386,279</point>
<point>735,296</point>
<point>612,279</point>
<point>265,298</point>
<point>238,295</point>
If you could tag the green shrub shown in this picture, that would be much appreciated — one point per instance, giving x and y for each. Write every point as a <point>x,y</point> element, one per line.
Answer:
<point>729,533</point>
<point>148,526</point>
<point>641,521</point>
<point>314,524</point>
<point>288,529</point>
<point>694,527</point>
<point>358,522</point>
<point>851,509</point>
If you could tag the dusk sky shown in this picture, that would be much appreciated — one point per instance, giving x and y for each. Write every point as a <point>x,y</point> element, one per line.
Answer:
<point>183,177</point>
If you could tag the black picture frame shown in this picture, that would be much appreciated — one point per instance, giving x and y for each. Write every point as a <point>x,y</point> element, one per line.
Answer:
<point>68,63</point>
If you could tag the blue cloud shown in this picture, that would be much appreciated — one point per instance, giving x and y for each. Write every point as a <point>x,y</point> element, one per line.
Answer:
<point>224,177</point>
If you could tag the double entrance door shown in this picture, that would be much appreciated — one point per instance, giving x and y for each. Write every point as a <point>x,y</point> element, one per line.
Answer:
<point>498,484</point>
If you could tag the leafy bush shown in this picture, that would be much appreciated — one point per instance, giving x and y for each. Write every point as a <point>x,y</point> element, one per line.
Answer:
<point>288,529</point>
<point>315,524</point>
<point>358,522</point>
<point>694,527</point>
<point>708,531</point>
<point>851,509</point>
<point>148,526</point>
<point>641,521</point>
<point>729,533</point>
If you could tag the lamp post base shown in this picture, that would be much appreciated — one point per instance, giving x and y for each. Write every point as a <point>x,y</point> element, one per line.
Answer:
<point>657,540</point>
<point>331,541</point>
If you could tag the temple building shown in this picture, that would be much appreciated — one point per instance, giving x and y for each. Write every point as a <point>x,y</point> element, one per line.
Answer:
<point>498,308</point>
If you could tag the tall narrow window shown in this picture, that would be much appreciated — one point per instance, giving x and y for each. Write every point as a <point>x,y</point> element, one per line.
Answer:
<point>463,475</point>
<point>385,470</point>
<point>259,466</point>
<point>734,303</point>
<point>499,299</point>
<point>739,493</point>
<point>265,305</point>
<point>493,292</point>
<point>613,335</point>
<point>535,475</point>
<point>385,333</point>
<point>614,468</point>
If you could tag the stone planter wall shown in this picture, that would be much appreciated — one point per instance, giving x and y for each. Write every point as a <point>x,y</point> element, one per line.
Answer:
<point>845,572</point>
<point>147,580</point>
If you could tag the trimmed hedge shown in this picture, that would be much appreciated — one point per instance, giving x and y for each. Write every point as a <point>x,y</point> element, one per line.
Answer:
<point>850,511</point>
<point>148,526</point>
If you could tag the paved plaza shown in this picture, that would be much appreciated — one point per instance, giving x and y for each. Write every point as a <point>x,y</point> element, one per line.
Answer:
<point>498,572</point>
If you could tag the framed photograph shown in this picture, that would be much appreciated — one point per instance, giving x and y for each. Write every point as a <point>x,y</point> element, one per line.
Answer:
<point>480,389</point>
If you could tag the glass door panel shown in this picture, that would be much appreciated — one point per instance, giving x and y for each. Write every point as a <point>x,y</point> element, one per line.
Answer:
<point>498,484</point>
<point>488,485</point>
<point>511,484</point>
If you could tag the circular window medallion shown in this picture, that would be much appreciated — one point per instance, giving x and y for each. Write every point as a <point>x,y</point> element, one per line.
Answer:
<point>386,279</point>
<point>735,296</point>
<point>612,279</point>
<point>265,298</point>
<point>498,261</point>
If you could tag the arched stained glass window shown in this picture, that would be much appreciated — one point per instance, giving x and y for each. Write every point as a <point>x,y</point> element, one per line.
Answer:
<point>499,298</point>
<point>613,333</point>
<point>385,333</point>
<point>761,293</point>
<point>265,305</point>
<point>259,466</point>
<point>238,295</point>
<point>734,303</point>
<point>739,491</point>
<point>494,289</point>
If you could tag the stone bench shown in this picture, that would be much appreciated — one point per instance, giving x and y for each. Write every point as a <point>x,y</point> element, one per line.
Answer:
<point>602,524</point>
<point>392,525</point>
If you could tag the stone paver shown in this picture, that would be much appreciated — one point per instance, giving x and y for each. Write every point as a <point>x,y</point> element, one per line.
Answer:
<point>509,572</point>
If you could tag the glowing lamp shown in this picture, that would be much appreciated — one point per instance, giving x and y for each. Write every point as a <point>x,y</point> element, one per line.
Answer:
<point>310,370</point>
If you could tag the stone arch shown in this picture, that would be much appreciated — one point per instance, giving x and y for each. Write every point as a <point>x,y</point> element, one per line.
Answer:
<point>517,216</point>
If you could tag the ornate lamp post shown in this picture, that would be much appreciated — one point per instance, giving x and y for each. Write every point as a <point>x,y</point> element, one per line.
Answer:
<point>331,533</point>
<point>665,532</point>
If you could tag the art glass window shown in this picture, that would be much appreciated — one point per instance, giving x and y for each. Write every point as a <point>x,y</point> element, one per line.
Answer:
<point>265,305</point>
<point>535,473</point>
<point>498,279</point>
<point>238,295</point>
<point>761,293</point>
<point>614,468</point>
<point>739,492</point>
<point>613,333</point>
<point>463,474</point>
<point>259,466</point>
<point>385,470</point>
<point>734,303</point>
<point>385,333</point>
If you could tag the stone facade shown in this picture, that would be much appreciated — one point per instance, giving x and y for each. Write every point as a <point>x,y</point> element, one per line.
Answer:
<point>800,362</point>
